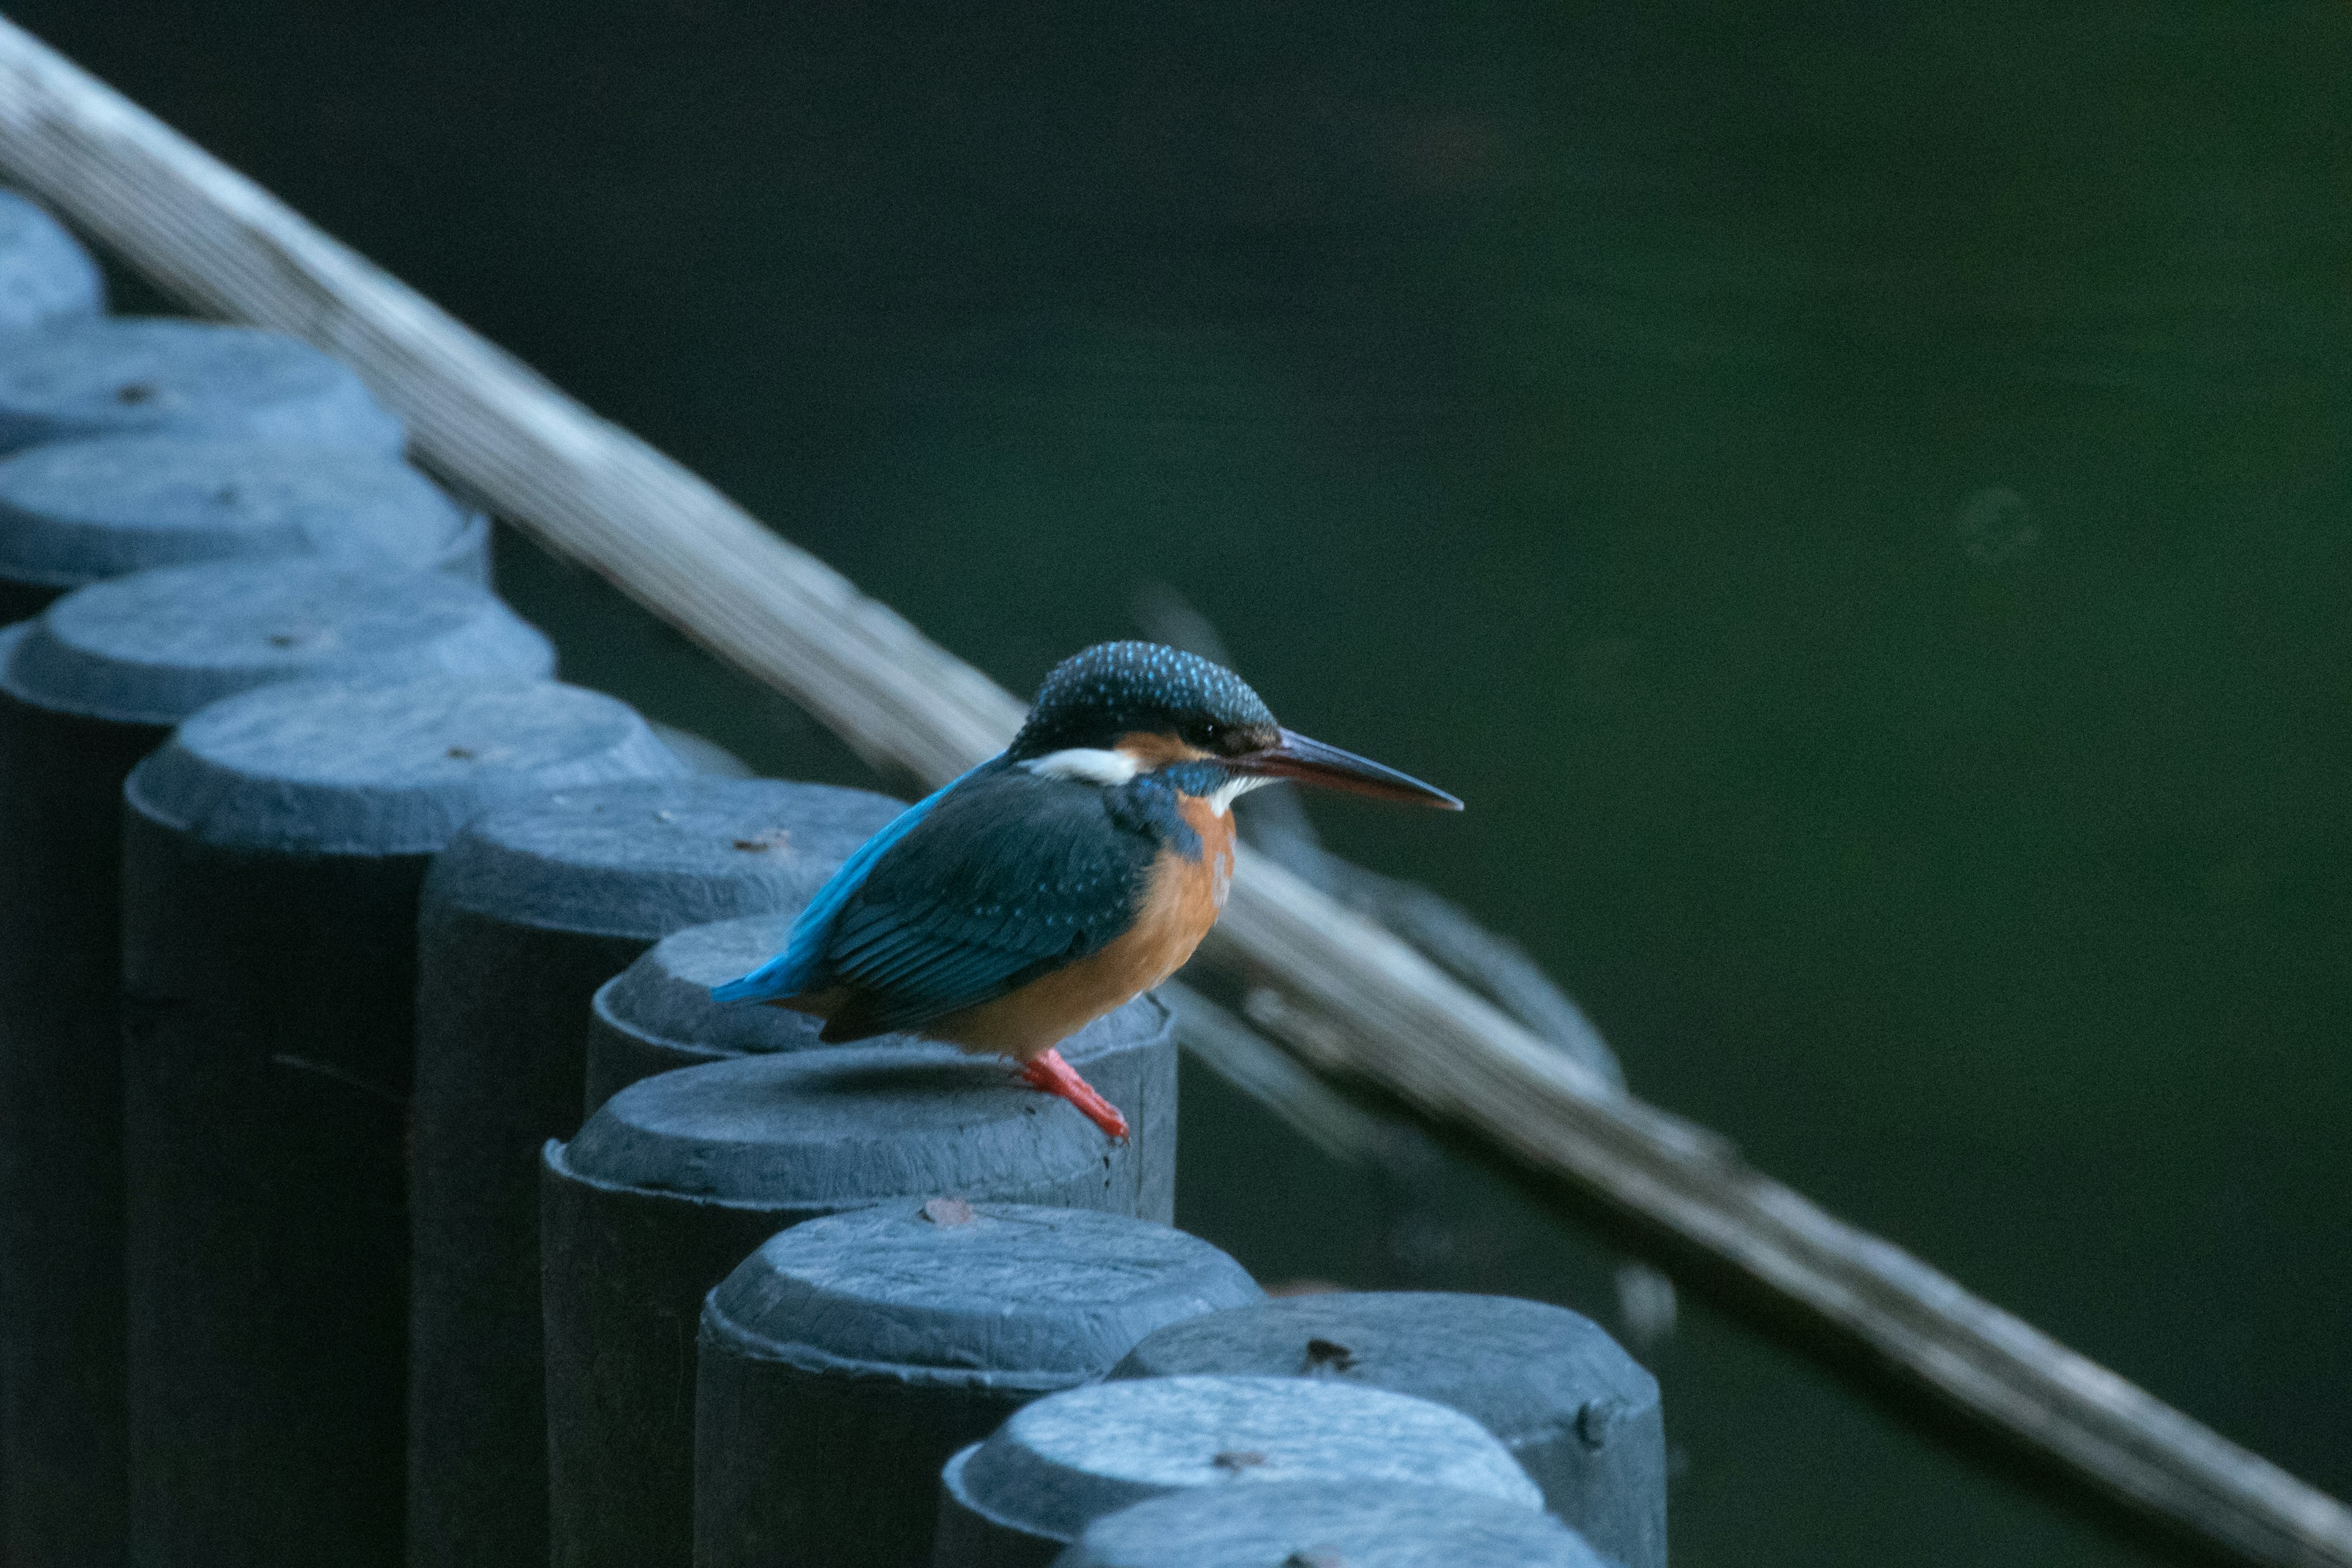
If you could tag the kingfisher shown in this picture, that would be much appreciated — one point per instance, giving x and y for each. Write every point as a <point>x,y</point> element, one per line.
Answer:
<point>1069,874</point>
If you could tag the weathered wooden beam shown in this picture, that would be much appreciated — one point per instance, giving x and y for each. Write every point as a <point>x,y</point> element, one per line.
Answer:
<point>1351,997</point>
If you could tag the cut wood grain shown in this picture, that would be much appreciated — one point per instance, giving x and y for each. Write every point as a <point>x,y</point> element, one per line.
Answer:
<point>1349,997</point>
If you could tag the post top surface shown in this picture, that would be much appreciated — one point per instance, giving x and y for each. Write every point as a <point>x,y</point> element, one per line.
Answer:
<point>76,511</point>
<point>644,856</point>
<point>1521,1368</point>
<point>993,1293</point>
<point>338,767</point>
<point>111,375</point>
<point>154,647</point>
<point>834,1129</point>
<point>1328,1524</point>
<point>1074,1457</point>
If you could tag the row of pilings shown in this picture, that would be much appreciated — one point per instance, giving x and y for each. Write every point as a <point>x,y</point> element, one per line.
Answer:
<point>380,1185</point>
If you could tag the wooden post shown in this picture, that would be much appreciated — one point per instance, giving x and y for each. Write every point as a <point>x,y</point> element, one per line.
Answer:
<point>656,1015</point>
<point>1576,1411</point>
<point>1317,1524</point>
<point>120,376</point>
<point>86,690</point>
<point>1018,1498</point>
<point>273,852</point>
<point>874,1344</point>
<point>82,511</point>
<point>1355,1000</point>
<point>525,913</point>
<point>676,1180</point>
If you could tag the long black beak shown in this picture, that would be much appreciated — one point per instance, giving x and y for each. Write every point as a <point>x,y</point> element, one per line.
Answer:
<point>1293,756</point>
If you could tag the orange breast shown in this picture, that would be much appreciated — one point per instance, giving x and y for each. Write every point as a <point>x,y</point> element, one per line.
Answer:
<point>1184,901</point>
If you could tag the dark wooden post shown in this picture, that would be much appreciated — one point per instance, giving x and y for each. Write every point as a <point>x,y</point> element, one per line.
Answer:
<point>1018,1498</point>
<point>75,512</point>
<point>1328,1524</point>
<point>273,854</point>
<point>525,913</point>
<point>657,1015</point>
<point>677,1179</point>
<point>1579,1413</point>
<point>873,1345</point>
<point>44,275</point>
<point>116,375</point>
<point>86,690</point>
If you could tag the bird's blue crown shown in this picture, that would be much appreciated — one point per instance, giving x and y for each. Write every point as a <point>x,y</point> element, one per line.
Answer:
<point>1112,689</point>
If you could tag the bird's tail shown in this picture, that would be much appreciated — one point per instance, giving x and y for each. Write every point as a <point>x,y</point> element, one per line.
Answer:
<point>787,974</point>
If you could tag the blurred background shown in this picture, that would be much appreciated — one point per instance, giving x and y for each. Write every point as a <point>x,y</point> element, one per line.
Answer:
<point>1853,494</point>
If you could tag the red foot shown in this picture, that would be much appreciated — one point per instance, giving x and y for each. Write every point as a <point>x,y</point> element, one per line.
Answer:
<point>1052,1074</point>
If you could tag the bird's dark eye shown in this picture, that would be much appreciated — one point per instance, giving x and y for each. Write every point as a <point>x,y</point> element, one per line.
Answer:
<point>1205,733</point>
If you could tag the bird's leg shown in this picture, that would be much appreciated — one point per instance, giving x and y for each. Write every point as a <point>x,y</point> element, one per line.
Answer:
<point>1052,1074</point>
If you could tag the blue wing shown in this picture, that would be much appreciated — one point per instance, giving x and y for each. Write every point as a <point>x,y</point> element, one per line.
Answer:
<point>1011,877</point>
<point>789,973</point>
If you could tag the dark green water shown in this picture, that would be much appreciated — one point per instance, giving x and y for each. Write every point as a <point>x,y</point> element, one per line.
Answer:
<point>1854,496</point>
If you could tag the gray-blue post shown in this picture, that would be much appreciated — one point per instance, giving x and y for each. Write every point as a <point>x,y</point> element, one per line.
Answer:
<point>677,1179</point>
<point>75,512</point>
<point>1570,1404</point>
<point>273,855</point>
<point>1018,1498</point>
<point>45,276</point>
<point>657,1015</point>
<point>86,690</point>
<point>847,1359</point>
<point>525,913</point>
<point>113,375</point>
<point>1328,1524</point>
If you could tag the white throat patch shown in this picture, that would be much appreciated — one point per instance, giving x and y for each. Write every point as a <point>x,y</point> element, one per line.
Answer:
<point>1234,788</point>
<point>1089,764</point>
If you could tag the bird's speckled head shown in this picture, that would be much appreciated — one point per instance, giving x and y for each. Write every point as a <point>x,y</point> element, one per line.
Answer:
<point>1118,692</point>
<point>1122,712</point>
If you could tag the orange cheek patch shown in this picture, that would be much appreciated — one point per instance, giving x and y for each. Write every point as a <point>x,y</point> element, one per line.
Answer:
<point>1150,748</point>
